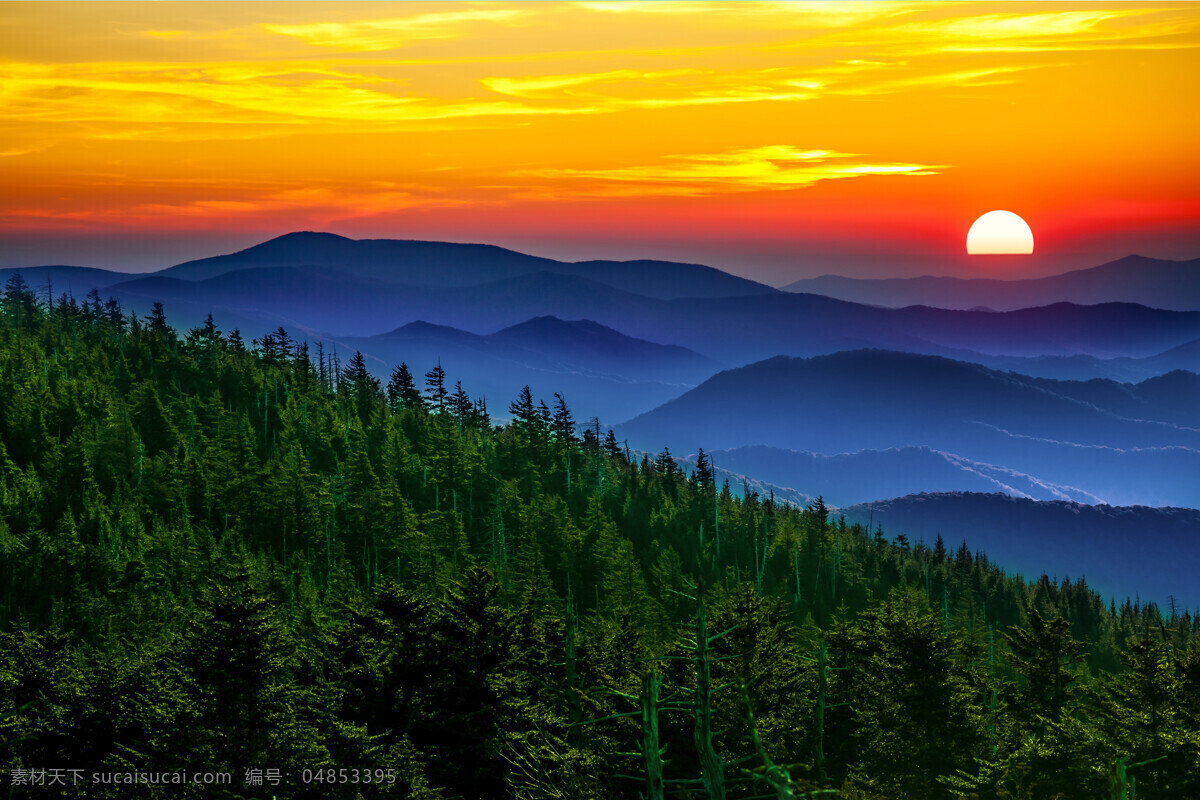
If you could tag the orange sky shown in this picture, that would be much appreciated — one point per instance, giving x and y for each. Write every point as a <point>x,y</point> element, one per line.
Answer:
<point>778,140</point>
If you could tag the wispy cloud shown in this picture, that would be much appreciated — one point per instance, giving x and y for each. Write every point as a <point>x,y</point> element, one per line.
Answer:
<point>563,100</point>
<point>811,14</point>
<point>619,90</point>
<point>856,49</point>
<point>315,205</point>
<point>178,101</point>
<point>534,87</point>
<point>330,203</point>
<point>771,167</point>
<point>386,34</point>
<point>1021,32</point>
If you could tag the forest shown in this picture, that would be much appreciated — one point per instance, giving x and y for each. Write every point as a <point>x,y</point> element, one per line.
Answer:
<point>248,557</point>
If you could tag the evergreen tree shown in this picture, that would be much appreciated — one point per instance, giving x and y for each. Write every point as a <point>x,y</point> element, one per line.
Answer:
<point>563,425</point>
<point>358,377</point>
<point>158,320</point>
<point>460,403</point>
<point>236,344</point>
<point>116,318</point>
<point>1048,658</point>
<point>435,387</point>
<point>913,709</point>
<point>19,300</point>
<point>704,473</point>
<point>610,445</point>
<point>402,391</point>
<point>939,550</point>
<point>524,414</point>
<point>665,464</point>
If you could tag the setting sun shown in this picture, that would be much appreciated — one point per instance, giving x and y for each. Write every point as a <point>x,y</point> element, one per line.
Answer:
<point>1000,233</point>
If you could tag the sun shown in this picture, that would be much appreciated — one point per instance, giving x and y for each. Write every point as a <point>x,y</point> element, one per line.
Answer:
<point>999,232</point>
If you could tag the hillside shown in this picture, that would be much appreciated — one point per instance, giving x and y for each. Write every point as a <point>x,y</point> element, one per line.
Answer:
<point>236,556</point>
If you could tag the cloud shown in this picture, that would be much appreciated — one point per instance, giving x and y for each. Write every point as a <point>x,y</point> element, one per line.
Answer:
<point>964,79</point>
<point>387,34</point>
<point>618,90</point>
<point>532,87</point>
<point>810,14</point>
<point>198,101</point>
<point>182,101</point>
<point>14,149</point>
<point>1016,32</point>
<point>771,167</point>
<point>314,205</point>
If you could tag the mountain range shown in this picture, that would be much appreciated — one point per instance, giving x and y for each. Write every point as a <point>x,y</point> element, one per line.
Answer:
<point>1080,367</point>
<point>1072,439</point>
<point>1152,282</point>
<point>327,284</point>
<point>445,265</point>
<point>1123,551</point>
<point>1056,392</point>
<point>600,371</point>
<point>963,400</point>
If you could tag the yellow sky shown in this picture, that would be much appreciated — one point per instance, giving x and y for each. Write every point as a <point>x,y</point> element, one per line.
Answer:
<point>779,138</point>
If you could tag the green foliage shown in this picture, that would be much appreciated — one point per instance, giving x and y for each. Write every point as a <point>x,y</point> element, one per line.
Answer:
<point>232,557</point>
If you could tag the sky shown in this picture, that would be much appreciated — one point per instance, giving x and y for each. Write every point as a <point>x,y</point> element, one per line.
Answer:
<point>774,140</point>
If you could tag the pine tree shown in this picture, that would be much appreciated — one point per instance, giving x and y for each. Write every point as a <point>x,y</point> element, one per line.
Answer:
<point>912,706</point>
<point>704,473</point>
<point>665,464</point>
<point>460,404</point>
<point>158,320</point>
<point>19,299</point>
<point>1048,657</point>
<point>524,414</point>
<point>610,445</point>
<point>94,308</point>
<point>116,318</point>
<point>283,341</point>
<point>563,425</point>
<point>236,344</point>
<point>364,387</point>
<point>402,391</point>
<point>435,387</point>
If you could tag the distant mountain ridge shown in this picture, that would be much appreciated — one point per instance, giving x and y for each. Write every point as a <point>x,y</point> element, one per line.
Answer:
<point>1153,282</point>
<point>600,371</point>
<point>1062,539</point>
<point>873,400</point>
<point>443,265</point>
<point>73,281</point>
<point>926,392</point>
<point>732,330</point>
<point>845,479</point>
<point>599,348</point>
<point>338,287</point>
<point>1078,367</point>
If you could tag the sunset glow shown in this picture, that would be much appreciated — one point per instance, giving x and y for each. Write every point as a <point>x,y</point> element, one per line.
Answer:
<point>772,139</point>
